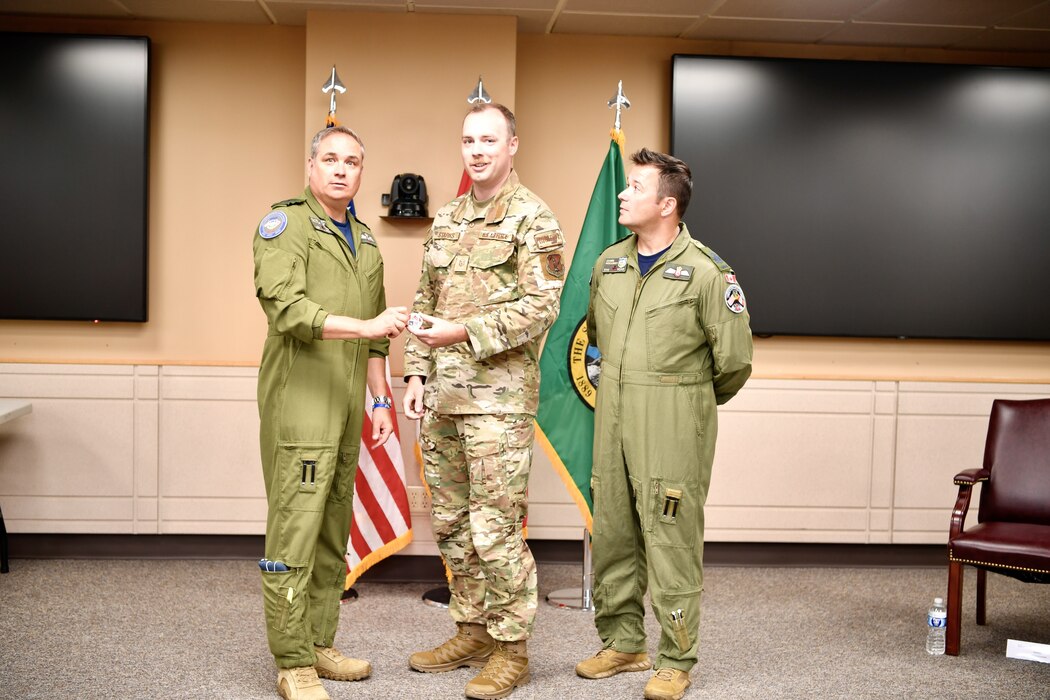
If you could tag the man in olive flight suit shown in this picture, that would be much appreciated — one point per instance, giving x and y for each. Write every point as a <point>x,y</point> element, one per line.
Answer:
<point>492,275</point>
<point>319,279</point>
<point>671,323</point>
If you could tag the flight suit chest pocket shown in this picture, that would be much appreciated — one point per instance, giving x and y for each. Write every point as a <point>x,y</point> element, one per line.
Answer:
<point>326,278</point>
<point>494,267</point>
<point>604,315</point>
<point>672,335</point>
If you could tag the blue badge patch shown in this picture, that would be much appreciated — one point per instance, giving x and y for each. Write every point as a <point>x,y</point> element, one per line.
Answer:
<point>273,225</point>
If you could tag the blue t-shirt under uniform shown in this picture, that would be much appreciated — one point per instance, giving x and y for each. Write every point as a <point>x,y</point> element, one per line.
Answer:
<point>344,228</point>
<point>646,262</point>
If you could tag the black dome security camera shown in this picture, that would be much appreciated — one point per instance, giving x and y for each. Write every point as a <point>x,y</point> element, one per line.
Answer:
<point>408,196</point>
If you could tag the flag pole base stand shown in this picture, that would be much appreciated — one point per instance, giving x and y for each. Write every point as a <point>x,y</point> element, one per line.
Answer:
<point>349,596</point>
<point>437,597</point>
<point>571,599</point>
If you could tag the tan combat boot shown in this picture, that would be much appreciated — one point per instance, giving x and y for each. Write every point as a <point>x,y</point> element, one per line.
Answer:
<point>471,646</point>
<point>331,664</point>
<point>300,683</point>
<point>667,684</point>
<point>508,667</point>
<point>609,662</point>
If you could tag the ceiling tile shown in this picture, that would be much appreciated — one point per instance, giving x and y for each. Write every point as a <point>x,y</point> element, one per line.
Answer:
<point>238,11</point>
<point>506,7</point>
<point>684,8</point>
<point>1036,18</point>
<point>799,9</point>
<point>1007,40</point>
<point>293,12</point>
<point>789,31</point>
<point>624,25</point>
<point>529,21</point>
<point>884,34</point>
<point>957,12</point>
<point>68,8</point>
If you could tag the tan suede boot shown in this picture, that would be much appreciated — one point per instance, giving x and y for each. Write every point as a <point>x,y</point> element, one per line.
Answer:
<point>609,662</point>
<point>331,664</point>
<point>508,667</point>
<point>471,646</point>
<point>667,684</point>
<point>300,683</point>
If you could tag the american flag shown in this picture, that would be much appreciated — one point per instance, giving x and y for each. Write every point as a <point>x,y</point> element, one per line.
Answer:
<point>382,523</point>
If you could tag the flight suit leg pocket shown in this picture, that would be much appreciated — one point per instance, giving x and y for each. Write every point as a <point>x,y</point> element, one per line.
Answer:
<point>673,513</point>
<point>343,479</point>
<point>279,591</point>
<point>598,517</point>
<point>306,472</point>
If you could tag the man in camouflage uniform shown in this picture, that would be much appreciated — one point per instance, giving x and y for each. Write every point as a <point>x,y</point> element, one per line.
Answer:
<point>319,279</point>
<point>671,323</point>
<point>492,275</point>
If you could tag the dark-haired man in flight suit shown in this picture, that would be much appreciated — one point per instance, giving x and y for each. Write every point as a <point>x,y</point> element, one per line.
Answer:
<point>671,323</point>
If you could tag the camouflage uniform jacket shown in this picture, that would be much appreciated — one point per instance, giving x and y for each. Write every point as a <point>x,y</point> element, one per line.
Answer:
<point>498,268</point>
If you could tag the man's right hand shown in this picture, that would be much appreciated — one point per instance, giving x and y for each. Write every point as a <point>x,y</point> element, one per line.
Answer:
<point>413,403</point>
<point>388,324</point>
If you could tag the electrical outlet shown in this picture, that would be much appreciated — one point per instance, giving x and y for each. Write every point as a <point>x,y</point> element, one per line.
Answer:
<point>418,501</point>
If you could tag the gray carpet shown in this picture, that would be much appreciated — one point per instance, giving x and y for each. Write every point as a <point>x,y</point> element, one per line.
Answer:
<point>184,629</point>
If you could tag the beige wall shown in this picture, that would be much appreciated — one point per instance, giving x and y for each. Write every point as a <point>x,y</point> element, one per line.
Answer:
<point>226,112</point>
<point>232,109</point>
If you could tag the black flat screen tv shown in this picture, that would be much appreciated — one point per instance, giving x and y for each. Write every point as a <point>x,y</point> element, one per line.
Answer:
<point>872,199</point>
<point>74,128</point>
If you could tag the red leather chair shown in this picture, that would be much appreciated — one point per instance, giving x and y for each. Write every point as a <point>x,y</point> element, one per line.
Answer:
<point>1012,536</point>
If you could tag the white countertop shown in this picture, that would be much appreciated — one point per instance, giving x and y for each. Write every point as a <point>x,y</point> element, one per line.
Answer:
<point>13,408</point>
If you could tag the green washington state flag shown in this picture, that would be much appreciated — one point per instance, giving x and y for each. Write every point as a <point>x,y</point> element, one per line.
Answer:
<point>568,366</point>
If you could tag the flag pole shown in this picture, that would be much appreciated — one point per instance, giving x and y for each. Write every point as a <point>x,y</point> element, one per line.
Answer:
<point>577,598</point>
<point>582,599</point>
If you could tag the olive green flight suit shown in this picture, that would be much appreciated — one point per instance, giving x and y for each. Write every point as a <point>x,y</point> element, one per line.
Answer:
<point>674,344</point>
<point>311,408</point>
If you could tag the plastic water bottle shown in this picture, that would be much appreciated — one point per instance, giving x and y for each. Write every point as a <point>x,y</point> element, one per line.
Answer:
<point>936,621</point>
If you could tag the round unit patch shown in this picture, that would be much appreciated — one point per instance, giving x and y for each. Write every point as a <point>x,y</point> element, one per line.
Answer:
<point>273,225</point>
<point>585,365</point>
<point>735,299</point>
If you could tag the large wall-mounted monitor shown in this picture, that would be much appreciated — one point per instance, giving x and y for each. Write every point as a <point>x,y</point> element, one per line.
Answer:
<point>873,199</point>
<point>74,136</point>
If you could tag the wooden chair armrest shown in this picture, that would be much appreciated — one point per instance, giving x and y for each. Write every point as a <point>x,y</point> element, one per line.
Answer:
<point>965,480</point>
<point>969,477</point>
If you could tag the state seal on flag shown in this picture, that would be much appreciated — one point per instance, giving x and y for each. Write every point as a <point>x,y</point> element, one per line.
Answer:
<point>584,365</point>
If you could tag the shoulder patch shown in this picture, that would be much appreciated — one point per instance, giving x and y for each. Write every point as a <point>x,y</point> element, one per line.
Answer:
<point>273,224</point>
<point>735,300</point>
<point>288,202</point>
<point>366,237</point>
<point>721,264</point>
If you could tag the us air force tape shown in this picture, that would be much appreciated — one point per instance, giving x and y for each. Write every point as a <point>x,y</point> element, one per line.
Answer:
<point>273,225</point>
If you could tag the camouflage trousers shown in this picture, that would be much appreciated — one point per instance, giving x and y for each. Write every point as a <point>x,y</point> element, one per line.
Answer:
<point>477,468</point>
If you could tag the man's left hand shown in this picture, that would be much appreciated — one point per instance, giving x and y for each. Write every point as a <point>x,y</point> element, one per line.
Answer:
<point>382,426</point>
